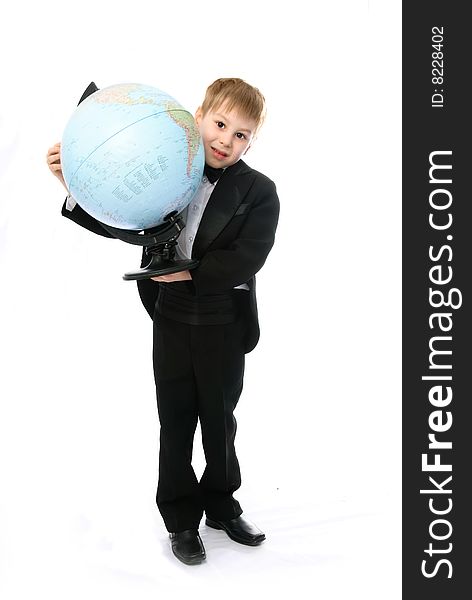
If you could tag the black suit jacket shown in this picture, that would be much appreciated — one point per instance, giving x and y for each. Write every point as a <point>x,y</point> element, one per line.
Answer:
<point>234,238</point>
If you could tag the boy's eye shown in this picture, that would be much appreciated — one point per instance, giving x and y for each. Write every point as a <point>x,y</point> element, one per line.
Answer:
<point>240,135</point>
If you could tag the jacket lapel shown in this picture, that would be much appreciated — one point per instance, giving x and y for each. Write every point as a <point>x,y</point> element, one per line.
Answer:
<point>224,202</point>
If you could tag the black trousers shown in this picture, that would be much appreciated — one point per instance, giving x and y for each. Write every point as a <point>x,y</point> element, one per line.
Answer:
<point>198,371</point>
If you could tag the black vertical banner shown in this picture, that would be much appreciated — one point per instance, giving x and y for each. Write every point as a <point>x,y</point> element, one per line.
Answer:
<point>437,251</point>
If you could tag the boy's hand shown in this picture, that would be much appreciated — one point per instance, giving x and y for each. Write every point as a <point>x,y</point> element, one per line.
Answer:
<point>182,276</point>
<point>53,159</point>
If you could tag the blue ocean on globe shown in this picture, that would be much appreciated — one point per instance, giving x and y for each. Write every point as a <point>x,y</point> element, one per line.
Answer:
<point>130,155</point>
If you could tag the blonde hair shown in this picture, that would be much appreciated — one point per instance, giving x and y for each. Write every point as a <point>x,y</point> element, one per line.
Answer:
<point>236,93</point>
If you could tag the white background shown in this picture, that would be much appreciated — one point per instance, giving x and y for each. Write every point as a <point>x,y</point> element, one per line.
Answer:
<point>319,419</point>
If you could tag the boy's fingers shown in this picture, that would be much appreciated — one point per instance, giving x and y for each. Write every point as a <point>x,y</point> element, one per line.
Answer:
<point>55,167</point>
<point>54,148</point>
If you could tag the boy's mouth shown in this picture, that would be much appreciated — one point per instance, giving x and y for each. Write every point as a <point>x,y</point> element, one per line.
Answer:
<point>219,154</point>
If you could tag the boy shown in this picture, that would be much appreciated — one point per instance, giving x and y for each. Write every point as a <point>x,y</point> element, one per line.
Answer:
<point>205,320</point>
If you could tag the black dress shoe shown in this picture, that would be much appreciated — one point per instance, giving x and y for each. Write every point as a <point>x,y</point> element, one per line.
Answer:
<point>239,529</point>
<point>187,546</point>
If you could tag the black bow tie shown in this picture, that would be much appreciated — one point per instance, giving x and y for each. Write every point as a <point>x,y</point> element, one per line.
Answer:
<point>212,173</point>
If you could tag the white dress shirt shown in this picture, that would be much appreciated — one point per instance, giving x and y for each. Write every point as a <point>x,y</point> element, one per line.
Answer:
<point>192,215</point>
<point>70,202</point>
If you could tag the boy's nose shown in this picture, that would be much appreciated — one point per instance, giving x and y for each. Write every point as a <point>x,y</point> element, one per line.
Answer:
<point>225,140</point>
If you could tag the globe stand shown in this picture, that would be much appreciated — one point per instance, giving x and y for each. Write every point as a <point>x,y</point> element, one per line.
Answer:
<point>160,244</point>
<point>162,262</point>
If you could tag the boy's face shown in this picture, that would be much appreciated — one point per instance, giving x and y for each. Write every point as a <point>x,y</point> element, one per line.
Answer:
<point>226,135</point>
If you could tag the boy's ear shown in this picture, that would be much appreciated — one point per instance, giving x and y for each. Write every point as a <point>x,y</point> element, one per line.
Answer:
<point>198,115</point>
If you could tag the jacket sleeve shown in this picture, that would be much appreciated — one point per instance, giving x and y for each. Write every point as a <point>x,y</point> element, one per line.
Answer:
<point>79,216</point>
<point>222,269</point>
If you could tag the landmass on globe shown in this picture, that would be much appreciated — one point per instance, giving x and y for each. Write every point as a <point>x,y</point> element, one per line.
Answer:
<point>131,154</point>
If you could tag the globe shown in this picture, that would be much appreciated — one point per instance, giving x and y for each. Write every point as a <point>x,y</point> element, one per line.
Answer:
<point>131,155</point>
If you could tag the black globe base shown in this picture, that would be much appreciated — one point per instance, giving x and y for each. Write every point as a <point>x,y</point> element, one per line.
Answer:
<point>160,266</point>
<point>160,245</point>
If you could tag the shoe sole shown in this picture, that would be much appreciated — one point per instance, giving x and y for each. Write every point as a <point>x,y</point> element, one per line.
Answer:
<point>195,560</point>
<point>216,525</point>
